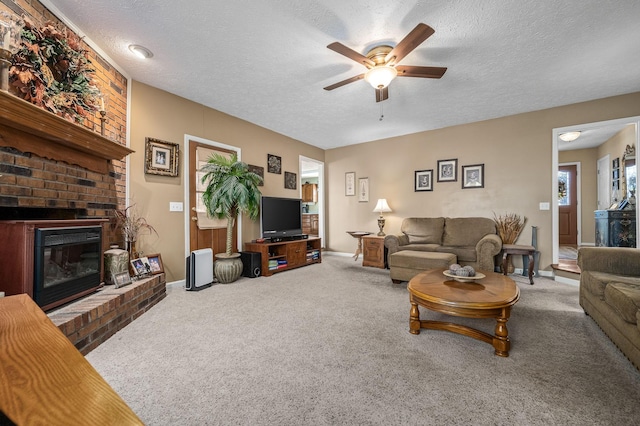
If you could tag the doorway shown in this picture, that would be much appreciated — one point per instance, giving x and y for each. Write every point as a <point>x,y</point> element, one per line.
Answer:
<point>312,173</point>
<point>201,231</point>
<point>597,129</point>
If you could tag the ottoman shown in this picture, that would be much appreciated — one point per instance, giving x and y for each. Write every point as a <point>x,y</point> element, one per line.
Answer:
<point>406,264</point>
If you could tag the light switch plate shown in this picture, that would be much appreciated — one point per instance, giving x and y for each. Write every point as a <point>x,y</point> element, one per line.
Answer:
<point>544,206</point>
<point>175,206</point>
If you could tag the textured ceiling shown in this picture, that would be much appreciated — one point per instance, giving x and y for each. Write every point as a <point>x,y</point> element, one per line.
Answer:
<point>267,62</point>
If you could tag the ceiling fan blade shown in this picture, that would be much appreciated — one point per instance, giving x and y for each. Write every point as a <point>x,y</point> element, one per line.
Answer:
<point>382,94</point>
<point>351,54</point>
<point>424,72</point>
<point>419,34</point>
<point>343,82</point>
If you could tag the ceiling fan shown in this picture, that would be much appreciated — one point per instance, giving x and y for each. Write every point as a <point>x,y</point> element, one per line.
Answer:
<point>382,62</point>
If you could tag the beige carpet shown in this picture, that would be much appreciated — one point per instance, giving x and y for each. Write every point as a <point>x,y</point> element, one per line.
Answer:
<point>329,344</point>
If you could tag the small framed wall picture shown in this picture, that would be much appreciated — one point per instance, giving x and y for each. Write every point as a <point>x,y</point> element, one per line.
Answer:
<point>448,170</point>
<point>121,279</point>
<point>473,176</point>
<point>290,180</point>
<point>274,164</point>
<point>423,180</point>
<point>363,190</point>
<point>155,263</point>
<point>350,183</point>
<point>259,171</point>
<point>161,158</point>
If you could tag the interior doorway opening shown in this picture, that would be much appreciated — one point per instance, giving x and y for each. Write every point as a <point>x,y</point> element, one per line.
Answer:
<point>596,133</point>
<point>312,194</point>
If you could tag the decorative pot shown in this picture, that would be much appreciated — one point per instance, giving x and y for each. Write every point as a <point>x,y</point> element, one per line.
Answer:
<point>116,261</point>
<point>227,268</point>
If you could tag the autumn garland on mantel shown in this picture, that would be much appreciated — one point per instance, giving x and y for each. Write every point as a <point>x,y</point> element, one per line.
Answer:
<point>52,70</point>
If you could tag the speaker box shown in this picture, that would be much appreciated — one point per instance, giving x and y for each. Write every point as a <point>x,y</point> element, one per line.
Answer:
<point>251,262</point>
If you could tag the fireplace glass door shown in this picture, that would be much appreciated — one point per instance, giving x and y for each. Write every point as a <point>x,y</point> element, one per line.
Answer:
<point>67,263</point>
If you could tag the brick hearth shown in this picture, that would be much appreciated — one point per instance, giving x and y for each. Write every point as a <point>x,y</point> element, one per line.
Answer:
<point>92,320</point>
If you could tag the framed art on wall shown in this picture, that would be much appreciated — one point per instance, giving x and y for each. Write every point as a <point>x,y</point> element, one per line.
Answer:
<point>363,190</point>
<point>161,158</point>
<point>259,171</point>
<point>448,170</point>
<point>290,180</point>
<point>274,164</point>
<point>350,183</point>
<point>473,176</point>
<point>423,180</point>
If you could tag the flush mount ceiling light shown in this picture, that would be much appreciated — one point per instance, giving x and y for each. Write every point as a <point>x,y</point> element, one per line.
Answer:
<point>141,51</point>
<point>570,136</point>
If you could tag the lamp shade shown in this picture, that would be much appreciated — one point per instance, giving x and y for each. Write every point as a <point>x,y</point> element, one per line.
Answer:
<point>380,77</point>
<point>382,206</point>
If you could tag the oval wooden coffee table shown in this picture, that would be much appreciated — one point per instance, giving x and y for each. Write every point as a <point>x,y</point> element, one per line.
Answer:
<point>490,297</point>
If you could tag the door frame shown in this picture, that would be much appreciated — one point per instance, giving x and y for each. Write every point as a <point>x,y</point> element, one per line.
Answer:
<point>555,133</point>
<point>578,201</point>
<point>602,165</point>
<point>321,191</point>
<point>186,201</point>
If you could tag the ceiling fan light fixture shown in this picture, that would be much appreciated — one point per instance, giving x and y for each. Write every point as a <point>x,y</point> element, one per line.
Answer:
<point>570,136</point>
<point>141,51</point>
<point>379,77</point>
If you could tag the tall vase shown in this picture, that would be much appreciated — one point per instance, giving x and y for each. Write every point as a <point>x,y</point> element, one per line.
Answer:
<point>131,248</point>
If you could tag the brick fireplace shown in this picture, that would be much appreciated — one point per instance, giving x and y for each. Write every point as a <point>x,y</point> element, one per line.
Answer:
<point>55,171</point>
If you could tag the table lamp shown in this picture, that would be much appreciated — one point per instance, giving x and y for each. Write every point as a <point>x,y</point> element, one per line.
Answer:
<point>381,207</point>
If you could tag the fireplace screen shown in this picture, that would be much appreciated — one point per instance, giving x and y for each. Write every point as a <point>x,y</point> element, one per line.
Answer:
<point>67,263</point>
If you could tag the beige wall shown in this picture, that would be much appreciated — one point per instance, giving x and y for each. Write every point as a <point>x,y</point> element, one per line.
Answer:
<point>161,115</point>
<point>516,151</point>
<point>615,148</point>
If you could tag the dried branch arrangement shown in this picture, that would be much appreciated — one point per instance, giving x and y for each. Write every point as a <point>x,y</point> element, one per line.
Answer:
<point>510,225</point>
<point>131,223</point>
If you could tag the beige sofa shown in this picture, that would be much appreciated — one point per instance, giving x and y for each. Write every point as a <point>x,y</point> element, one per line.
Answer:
<point>474,240</point>
<point>610,294</point>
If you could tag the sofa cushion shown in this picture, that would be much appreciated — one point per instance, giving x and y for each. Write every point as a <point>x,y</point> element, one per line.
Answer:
<point>596,282</point>
<point>420,247</point>
<point>464,254</point>
<point>420,260</point>
<point>624,299</point>
<point>423,230</point>
<point>466,231</point>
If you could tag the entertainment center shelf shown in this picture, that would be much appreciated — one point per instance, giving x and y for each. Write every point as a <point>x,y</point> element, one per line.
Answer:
<point>284,255</point>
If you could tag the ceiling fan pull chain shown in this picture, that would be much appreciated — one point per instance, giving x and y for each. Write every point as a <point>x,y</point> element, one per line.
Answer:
<point>381,111</point>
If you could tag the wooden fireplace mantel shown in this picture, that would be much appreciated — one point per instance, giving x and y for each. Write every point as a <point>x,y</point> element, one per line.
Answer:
<point>29,128</point>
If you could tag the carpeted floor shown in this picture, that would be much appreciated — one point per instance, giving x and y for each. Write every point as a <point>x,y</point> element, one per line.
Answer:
<point>330,344</point>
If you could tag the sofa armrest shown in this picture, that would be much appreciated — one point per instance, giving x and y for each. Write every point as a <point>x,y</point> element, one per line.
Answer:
<point>612,260</point>
<point>486,250</point>
<point>393,242</point>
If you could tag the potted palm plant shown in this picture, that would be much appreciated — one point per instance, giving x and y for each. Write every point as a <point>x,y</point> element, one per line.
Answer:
<point>231,190</point>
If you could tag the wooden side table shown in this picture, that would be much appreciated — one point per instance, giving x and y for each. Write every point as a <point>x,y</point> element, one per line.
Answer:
<point>374,251</point>
<point>358,235</point>
<point>510,249</point>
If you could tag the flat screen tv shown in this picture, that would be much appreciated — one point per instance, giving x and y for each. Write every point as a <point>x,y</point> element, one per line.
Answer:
<point>280,217</point>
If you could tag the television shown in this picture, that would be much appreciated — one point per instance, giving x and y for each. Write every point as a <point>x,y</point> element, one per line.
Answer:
<point>280,217</point>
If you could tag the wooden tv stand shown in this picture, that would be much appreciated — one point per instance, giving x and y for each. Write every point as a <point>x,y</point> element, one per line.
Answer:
<point>286,255</point>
